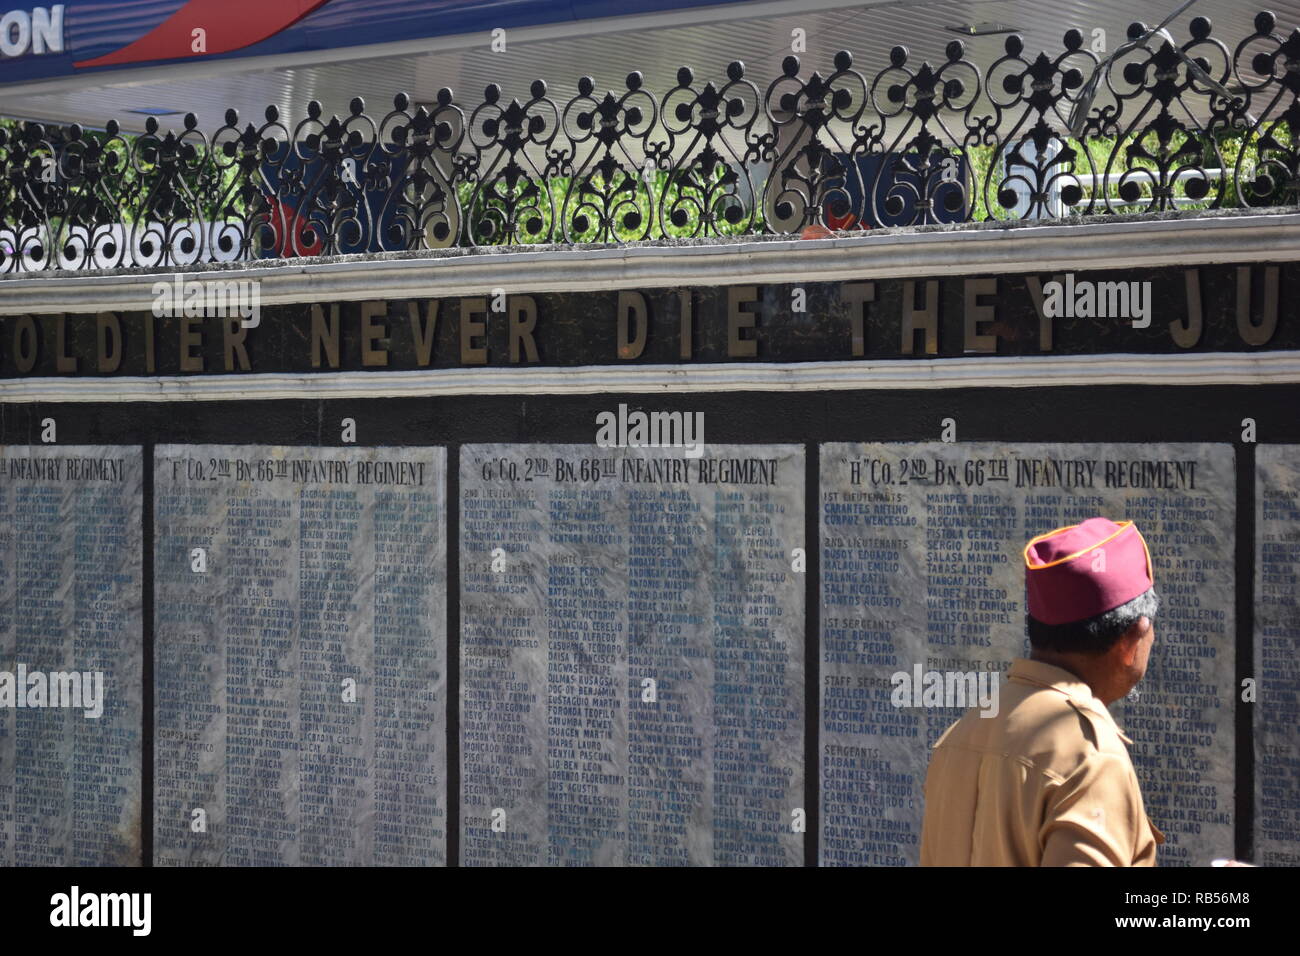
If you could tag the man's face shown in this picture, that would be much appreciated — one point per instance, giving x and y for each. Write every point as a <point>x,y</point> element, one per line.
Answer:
<point>1141,652</point>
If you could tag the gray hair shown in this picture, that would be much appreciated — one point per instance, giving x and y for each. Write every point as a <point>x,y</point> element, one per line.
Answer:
<point>1094,634</point>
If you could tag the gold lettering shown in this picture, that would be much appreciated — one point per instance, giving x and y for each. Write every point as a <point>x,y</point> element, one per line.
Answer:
<point>522,310</point>
<point>324,336</point>
<point>1250,332</point>
<point>423,332</point>
<point>191,337</point>
<point>63,362</point>
<point>1187,332</point>
<point>470,329</point>
<point>632,308</point>
<point>686,330</point>
<point>108,342</point>
<point>24,355</point>
<point>1044,320</point>
<point>857,295</point>
<point>374,341</point>
<point>235,333</point>
<point>926,319</point>
<point>976,313</point>
<point>738,320</point>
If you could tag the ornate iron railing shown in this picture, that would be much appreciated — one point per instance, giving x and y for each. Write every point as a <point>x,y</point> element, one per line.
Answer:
<point>1158,126</point>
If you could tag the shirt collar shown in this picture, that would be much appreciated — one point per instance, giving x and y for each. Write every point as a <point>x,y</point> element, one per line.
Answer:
<point>1026,671</point>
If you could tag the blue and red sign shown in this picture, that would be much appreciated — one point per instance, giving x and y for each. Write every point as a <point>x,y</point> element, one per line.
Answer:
<point>43,41</point>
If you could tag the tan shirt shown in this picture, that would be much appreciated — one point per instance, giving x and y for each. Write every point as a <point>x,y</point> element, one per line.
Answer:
<point>1046,782</point>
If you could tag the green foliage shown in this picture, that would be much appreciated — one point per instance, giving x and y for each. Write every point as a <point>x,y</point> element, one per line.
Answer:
<point>1108,158</point>
<point>131,194</point>
<point>676,203</point>
<point>635,205</point>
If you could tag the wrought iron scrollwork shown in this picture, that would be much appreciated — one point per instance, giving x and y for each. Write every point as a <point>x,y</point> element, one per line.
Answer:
<point>1043,168</point>
<point>1160,125</point>
<point>1271,80</point>
<point>711,184</point>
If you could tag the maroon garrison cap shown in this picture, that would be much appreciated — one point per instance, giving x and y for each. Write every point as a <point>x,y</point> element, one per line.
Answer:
<point>1082,570</point>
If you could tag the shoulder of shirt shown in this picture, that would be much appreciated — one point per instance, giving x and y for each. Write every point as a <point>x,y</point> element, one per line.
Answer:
<point>1106,737</point>
<point>948,733</point>
<point>1072,695</point>
<point>1079,731</point>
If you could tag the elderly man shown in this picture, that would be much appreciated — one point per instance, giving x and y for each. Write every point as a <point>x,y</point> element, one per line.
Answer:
<point>1048,781</point>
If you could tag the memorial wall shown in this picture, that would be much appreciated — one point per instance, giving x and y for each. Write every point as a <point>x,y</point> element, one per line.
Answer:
<point>1277,655</point>
<point>466,630</point>
<point>632,655</point>
<point>556,653</point>
<point>923,577</point>
<point>332,562</point>
<point>300,647</point>
<point>71,654</point>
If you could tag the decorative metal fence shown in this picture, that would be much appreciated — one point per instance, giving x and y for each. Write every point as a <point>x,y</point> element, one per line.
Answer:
<point>1158,125</point>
